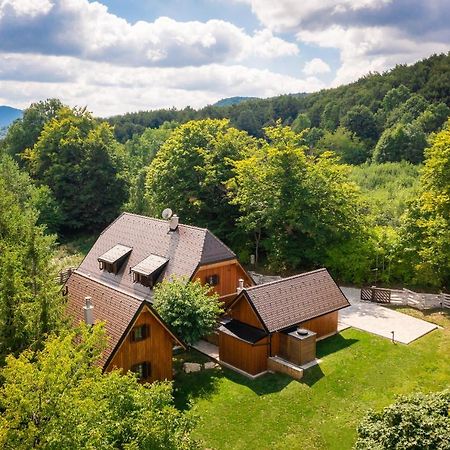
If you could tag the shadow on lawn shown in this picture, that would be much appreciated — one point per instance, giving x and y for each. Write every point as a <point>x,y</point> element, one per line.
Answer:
<point>333,344</point>
<point>203,384</point>
<point>193,386</point>
<point>263,385</point>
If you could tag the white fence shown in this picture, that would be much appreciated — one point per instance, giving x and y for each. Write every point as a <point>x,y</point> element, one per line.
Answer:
<point>406,297</point>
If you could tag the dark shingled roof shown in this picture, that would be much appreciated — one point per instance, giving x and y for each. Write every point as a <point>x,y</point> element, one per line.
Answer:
<point>185,248</point>
<point>112,306</point>
<point>243,331</point>
<point>289,301</point>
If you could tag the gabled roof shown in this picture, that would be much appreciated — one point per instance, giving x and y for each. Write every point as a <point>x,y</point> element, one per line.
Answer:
<point>283,303</point>
<point>185,249</point>
<point>116,308</point>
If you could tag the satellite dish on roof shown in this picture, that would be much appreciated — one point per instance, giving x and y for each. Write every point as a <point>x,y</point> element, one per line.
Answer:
<point>167,214</point>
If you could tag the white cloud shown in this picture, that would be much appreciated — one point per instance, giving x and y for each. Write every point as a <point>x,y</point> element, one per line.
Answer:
<point>287,14</point>
<point>25,8</point>
<point>316,66</point>
<point>89,31</point>
<point>369,49</point>
<point>370,35</point>
<point>109,89</point>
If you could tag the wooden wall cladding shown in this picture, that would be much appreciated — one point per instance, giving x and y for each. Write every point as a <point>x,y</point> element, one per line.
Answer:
<point>156,349</point>
<point>243,312</point>
<point>242,355</point>
<point>229,273</point>
<point>323,325</point>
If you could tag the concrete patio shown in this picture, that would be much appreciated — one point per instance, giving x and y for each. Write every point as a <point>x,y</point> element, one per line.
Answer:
<point>381,321</point>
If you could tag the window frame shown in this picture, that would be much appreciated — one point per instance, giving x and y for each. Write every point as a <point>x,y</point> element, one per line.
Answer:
<point>143,369</point>
<point>143,280</point>
<point>146,332</point>
<point>213,280</point>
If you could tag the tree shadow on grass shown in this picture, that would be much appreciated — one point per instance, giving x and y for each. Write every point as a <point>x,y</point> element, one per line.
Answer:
<point>189,387</point>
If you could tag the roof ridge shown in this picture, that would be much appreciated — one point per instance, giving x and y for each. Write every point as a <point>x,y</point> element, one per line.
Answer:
<point>162,220</point>
<point>251,288</point>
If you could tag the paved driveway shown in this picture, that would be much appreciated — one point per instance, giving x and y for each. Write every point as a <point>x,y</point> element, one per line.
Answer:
<point>380,320</point>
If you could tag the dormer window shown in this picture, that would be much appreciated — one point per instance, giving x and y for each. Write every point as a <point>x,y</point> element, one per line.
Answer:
<point>212,280</point>
<point>112,260</point>
<point>148,270</point>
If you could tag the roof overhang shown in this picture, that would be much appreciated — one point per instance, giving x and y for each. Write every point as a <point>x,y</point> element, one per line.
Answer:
<point>150,265</point>
<point>115,254</point>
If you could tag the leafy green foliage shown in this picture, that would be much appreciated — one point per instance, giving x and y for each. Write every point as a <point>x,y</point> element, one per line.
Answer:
<point>59,399</point>
<point>361,121</point>
<point>301,205</point>
<point>387,189</point>
<point>30,301</point>
<point>401,142</point>
<point>190,171</point>
<point>24,133</point>
<point>426,231</point>
<point>395,98</point>
<point>139,153</point>
<point>301,122</point>
<point>190,308</point>
<point>412,422</point>
<point>345,144</point>
<point>79,160</point>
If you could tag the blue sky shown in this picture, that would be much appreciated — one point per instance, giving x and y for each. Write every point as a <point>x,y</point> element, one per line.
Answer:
<point>126,55</point>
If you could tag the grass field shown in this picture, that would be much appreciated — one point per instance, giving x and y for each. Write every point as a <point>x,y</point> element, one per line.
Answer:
<point>71,252</point>
<point>358,371</point>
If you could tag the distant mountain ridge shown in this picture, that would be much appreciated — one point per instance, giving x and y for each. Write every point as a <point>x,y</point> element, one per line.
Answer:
<point>233,101</point>
<point>8,115</point>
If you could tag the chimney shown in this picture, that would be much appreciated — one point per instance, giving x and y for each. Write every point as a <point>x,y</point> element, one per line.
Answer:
<point>173,222</point>
<point>88,310</point>
<point>240,286</point>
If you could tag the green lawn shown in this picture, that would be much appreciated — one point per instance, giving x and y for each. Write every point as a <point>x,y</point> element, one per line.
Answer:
<point>358,371</point>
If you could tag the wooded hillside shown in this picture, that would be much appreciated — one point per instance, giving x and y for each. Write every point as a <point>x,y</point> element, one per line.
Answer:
<point>330,179</point>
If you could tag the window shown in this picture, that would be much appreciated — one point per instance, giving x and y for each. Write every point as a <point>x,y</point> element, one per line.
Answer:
<point>113,259</point>
<point>143,279</point>
<point>108,267</point>
<point>140,332</point>
<point>212,280</point>
<point>143,370</point>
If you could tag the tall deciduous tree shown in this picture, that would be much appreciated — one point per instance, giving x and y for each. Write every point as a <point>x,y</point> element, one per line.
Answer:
<point>190,172</point>
<point>79,159</point>
<point>191,308</point>
<point>139,152</point>
<point>301,204</point>
<point>360,120</point>
<point>301,122</point>
<point>426,231</point>
<point>345,144</point>
<point>59,399</point>
<point>401,143</point>
<point>24,133</point>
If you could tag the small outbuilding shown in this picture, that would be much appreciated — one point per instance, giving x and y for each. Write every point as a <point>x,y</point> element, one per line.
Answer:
<point>281,319</point>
